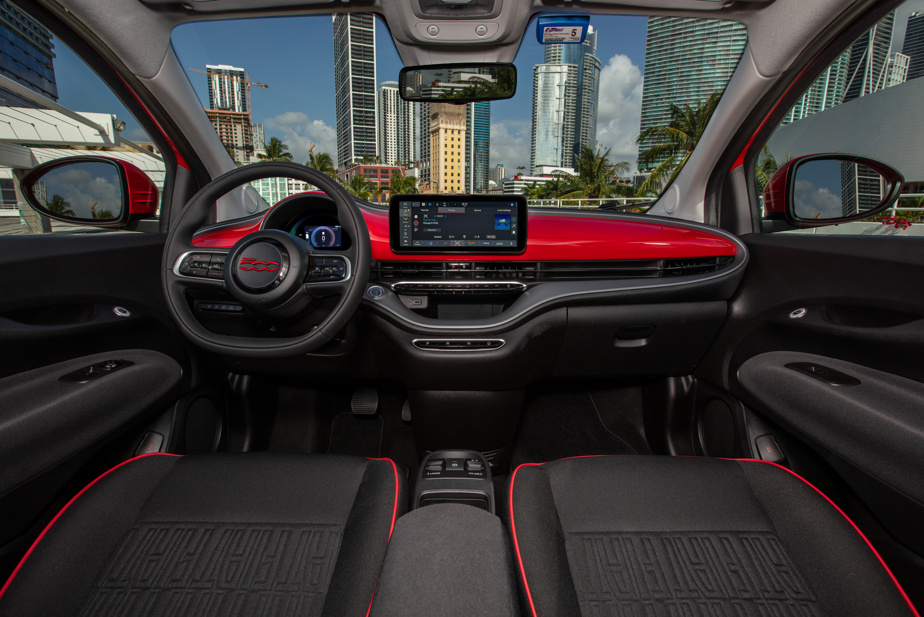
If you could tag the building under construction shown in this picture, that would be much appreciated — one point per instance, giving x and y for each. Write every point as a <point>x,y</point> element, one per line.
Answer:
<point>229,109</point>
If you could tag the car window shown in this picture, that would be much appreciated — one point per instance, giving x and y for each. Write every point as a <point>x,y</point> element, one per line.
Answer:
<point>607,122</point>
<point>865,103</point>
<point>57,107</point>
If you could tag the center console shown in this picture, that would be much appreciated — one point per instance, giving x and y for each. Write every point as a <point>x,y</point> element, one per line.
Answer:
<point>443,541</point>
<point>454,476</point>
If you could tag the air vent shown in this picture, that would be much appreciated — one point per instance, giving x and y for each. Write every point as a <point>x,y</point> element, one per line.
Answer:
<point>616,269</point>
<point>417,270</point>
<point>530,271</point>
<point>701,265</point>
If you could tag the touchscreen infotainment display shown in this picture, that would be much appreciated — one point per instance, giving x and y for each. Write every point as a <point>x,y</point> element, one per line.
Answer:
<point>458,223</point>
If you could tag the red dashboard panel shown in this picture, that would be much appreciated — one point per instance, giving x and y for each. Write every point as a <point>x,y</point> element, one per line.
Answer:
<point>551,237</point>
<point>225,238</point>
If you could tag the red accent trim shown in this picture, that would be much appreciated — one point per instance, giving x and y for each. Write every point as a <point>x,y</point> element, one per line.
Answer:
<point>176,153</point>
<point>225,238</point>
<point>513,532</point>
<point>394,512</point>
<point>557,237</point>
<point>68,505</point>
<point>561,237</point>
<point>394,516</point>
<point>882,562</point>
<point>253,263</point>
<point>740,160</point>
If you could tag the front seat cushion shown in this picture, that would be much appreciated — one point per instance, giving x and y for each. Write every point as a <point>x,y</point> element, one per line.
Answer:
<point>219,534</point>
<point>660,536</point>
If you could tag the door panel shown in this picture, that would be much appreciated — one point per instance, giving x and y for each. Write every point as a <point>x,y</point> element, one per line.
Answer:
<point>57,299</point>
<point>852,305</point>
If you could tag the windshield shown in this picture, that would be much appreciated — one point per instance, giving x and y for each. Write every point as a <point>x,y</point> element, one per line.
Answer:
<point>605,122</point>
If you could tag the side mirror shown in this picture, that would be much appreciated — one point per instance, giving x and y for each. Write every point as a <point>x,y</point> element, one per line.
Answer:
<point>828,189</point>
<point>91,190</point>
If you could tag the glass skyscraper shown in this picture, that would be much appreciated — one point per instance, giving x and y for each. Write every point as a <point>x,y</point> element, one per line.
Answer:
<point>554,110</point>
<point>566,91</point>
<point>686,60</point>
<point>913,46</point>
<point>825,93</point>
<point>354,76</point>
<point>26,56</point>
<point>869,57</point>
<point>584,57</point>
<point>477,146</point>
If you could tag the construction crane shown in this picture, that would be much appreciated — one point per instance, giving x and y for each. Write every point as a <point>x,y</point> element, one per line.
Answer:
<point>246,81</point>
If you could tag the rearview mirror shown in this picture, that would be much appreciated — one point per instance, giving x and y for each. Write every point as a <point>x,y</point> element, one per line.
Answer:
<point>90,190</point>
<point>828,189</point>
<point>457,83</point>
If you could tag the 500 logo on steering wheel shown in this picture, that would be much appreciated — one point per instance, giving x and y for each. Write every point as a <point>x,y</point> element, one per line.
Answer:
<point>249,263</point>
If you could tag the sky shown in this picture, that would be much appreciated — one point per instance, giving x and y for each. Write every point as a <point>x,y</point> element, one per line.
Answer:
<point>294,57</point>
<point>298,105</point>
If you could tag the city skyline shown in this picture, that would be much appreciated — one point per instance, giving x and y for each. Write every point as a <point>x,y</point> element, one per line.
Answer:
<point>300,109</point>
<point>311,120</point>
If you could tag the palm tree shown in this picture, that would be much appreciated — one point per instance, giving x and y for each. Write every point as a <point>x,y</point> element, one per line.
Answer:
<point>322,161</point>
<point>559,185</point>
<point>534,191</point>
<point>766,167</point>
<point>675,142</point>
<point>60,206</point>
<point>275,150</point>
<point>359,186</point>
<point>596,175</point>
<point>399,184</point>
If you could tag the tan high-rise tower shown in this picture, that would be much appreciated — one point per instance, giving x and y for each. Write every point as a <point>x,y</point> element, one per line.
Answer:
<point>447,147</point>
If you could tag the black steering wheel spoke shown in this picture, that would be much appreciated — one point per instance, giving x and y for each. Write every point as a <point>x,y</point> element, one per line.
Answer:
<point>269,272</point>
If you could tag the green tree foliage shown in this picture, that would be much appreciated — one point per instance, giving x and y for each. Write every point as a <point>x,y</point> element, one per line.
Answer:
<point>674,142</point>
<point>322,162</point>
<point>399,184</point>
<point>360,186</point>
<point>275,150</point>
<point>596,177</point>
<point>766,167</point>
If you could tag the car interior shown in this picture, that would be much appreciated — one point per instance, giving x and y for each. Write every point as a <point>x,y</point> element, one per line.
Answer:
<point>211,405</point>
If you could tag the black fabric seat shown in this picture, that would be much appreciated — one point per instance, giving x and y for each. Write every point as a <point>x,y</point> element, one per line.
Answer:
<point>245,534</point>
<point>661,536</point>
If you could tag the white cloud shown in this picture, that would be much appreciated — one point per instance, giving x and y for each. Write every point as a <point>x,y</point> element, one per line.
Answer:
<point>620,108</point>
<point>298,132</point>
<point>510,143</point>
<point>87,188</point>
<point>816,203</point>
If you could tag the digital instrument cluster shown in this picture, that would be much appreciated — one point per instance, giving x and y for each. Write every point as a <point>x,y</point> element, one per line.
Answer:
<point>319,233</point>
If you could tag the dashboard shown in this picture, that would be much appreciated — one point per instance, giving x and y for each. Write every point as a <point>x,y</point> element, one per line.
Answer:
<point>587,293</point>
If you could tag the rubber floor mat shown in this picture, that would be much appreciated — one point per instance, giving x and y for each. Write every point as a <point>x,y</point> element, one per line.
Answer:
<point>557,425</point>
<point>356,435</point>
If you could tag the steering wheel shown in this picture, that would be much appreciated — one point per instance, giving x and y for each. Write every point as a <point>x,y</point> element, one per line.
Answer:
<point>267,271</point>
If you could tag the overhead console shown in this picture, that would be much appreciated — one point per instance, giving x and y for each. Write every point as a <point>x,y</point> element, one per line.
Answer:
<point>457,224</point>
